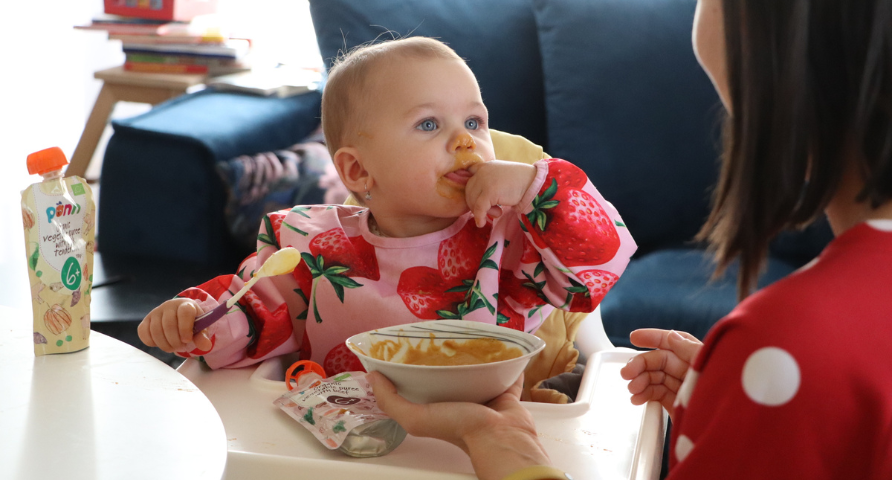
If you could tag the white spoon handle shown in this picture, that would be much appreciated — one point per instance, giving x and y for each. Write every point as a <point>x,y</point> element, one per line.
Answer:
<point>244,290</point>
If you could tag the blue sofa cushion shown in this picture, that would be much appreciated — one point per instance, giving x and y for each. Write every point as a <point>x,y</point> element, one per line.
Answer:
<point>161,194</point>
<point>230,124</point>
<point>628,103</point>
<point>496,37</point>
<point>671,289</point>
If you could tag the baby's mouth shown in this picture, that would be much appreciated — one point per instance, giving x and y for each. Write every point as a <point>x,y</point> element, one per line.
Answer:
<point>460,177</point>
<point>463,160</point>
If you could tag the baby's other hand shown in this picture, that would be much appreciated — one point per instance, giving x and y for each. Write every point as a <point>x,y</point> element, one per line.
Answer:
<point>496,183</point>
<point>169,326</point>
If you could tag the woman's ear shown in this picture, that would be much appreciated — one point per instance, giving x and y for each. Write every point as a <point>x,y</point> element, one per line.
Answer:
<point>348,162</point>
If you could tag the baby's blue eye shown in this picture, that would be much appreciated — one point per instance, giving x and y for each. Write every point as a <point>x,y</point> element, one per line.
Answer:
<point>471,124</point>
<point>427,125</point>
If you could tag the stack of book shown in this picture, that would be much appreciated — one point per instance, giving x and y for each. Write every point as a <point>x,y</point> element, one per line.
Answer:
<point>156,46</point>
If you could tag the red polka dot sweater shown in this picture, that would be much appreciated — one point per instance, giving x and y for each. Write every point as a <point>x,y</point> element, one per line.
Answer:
<point>796,383</point>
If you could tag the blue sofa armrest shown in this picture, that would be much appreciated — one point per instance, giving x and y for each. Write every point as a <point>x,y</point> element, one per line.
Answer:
<point>161,195</point>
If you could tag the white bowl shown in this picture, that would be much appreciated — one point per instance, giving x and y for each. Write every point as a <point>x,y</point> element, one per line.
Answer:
<point>461,383</point>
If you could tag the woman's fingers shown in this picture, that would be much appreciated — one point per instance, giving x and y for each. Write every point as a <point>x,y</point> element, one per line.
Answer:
<point>656,393</point>
<point>655,361</point>
<point>409,415</point>
<point>685,345</point>
<point>449,421</point>
<point>656,337</point>
<point>510,398</point>
<point>649,337</point>
<point>640,383</point>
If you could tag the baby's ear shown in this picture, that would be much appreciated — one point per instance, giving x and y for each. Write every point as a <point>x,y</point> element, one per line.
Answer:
<point>349,164</point>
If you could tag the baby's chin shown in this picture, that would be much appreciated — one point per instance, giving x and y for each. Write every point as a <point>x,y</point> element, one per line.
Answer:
<point>453,207</point>
<point>450,190</point>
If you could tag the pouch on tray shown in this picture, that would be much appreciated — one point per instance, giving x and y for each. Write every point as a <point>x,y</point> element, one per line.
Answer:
<point>342,413</point>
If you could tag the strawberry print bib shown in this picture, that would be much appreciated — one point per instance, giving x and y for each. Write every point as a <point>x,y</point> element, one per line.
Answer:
<point>563,246</point>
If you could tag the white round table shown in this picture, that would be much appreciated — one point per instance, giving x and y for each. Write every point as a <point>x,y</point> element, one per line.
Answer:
<point>108,412</point>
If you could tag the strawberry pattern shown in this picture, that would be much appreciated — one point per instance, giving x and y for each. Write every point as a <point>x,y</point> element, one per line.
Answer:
<point>563,247</point>
<point>340,359</point>
<point>571,221</point>
<point>346,258</point>
<point>459,258</point>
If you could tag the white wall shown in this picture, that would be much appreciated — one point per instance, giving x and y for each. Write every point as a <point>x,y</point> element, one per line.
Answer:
<point>47,88</point>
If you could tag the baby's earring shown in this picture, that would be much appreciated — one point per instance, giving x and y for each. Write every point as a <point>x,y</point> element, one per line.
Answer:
<point>368,195</point>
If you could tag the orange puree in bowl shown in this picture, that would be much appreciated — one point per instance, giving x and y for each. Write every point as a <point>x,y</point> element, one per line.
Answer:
<point>450,353</point>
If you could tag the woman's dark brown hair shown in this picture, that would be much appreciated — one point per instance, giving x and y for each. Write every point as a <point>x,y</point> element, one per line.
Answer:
<point>810,89</point>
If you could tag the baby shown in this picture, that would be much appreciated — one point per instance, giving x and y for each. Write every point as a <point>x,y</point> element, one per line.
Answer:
<point>444,230</point>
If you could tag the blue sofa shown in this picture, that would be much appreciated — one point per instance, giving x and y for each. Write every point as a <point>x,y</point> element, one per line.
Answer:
<point>611,85</point>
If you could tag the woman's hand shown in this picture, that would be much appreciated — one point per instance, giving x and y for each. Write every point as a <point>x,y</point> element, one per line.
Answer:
<point>658,374</point>
<point>496,183</point>
<point>500,437</point>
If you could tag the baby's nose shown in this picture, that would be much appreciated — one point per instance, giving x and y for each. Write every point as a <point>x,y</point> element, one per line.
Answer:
<point>462,142</point>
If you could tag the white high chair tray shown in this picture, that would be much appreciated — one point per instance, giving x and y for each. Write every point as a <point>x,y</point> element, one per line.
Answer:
<point>600,436</point>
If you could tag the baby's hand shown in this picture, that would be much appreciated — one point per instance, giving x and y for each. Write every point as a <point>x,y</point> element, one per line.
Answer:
<point>169,326</point>
<point>496,183</point>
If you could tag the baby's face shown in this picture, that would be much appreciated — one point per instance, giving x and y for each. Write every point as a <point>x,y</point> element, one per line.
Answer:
<point>425,124</point>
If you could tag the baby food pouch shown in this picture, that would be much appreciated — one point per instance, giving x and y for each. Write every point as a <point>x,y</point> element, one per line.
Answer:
<point>341,412</point>
<point>59,215</point>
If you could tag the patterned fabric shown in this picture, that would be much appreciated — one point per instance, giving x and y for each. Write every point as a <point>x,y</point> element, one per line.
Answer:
<point>795,382</point>
<point>563,246</point>
<point>269,181</point>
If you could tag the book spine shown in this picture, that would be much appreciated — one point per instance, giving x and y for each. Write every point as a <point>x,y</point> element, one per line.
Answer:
<point>146,67</point>
<point>129,50</point>
<point>113,29</point>
<point>162,40</point>
<point>180,60</point>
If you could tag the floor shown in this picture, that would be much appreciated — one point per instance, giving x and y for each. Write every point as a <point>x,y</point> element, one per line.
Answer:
<point>47,91</point>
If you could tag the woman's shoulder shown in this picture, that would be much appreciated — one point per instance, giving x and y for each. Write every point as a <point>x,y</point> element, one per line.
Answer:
<point>852,267</point>
<point>838,297</point>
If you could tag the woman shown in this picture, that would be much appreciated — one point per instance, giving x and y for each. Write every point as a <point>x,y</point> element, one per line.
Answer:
<point>795,380</point>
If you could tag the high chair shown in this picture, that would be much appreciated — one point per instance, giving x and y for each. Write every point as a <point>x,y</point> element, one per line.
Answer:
<point>599,436</point>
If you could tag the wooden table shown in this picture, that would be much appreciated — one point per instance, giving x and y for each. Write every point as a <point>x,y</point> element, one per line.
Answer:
<point>120,85</point>
<point>107,412</point>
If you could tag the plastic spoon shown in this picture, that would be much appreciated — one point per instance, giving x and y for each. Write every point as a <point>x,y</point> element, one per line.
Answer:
<point>281,262</point>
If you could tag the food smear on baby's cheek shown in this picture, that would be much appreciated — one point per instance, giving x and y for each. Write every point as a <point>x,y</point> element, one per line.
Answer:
<point>452,189</point>
<point>447,189</point>
<point>473,351</point>
<point>362,134</point>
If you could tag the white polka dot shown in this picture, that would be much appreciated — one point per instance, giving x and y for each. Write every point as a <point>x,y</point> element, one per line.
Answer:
<point>683,446</point>
<point>883,225</point>
<point>687,388</point>
<point>771,376</point>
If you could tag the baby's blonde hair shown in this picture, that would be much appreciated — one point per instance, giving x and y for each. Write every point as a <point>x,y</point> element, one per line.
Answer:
<point>345,90</point>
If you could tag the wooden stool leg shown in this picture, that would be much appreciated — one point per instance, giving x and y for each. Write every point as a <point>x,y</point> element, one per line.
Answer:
<point>86,146</point>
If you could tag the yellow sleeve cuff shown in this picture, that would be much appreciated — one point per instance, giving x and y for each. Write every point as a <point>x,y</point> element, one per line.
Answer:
<point>538,472</point>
